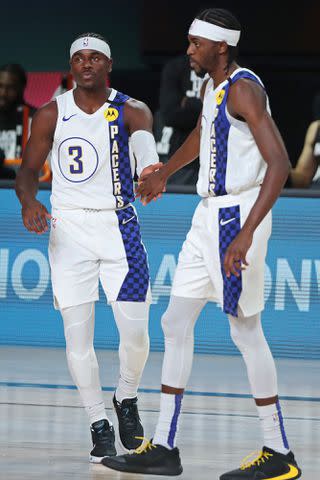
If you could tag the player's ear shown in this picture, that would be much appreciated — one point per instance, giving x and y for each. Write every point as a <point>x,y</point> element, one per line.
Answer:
<point>109,66</point>
<point>223,47</point>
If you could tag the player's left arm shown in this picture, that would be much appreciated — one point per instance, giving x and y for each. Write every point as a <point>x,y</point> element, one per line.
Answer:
<point>247,101</point>
<point>139,122</point>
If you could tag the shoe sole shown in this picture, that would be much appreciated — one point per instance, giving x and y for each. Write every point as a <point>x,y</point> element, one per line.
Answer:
<point>291,478</point>
<point>299,474</point>
<point>146,471</point>
<point>93,459</point>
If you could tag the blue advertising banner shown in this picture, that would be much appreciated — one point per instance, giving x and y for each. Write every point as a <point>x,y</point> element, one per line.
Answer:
<point>291,318</point>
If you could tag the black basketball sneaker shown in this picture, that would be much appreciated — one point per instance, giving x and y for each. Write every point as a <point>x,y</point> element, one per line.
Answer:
<point>150,459</point>
<point>103,439</point>
<point>130,426</point>
<point>269,465</point>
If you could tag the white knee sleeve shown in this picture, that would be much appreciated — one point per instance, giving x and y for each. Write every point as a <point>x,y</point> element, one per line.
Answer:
<point>79,329</point>
<point>248,336</point>
<point>178,325</point>
<point>132,322</point>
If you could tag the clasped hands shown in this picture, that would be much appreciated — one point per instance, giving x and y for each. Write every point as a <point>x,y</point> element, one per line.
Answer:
<point>151,183</point>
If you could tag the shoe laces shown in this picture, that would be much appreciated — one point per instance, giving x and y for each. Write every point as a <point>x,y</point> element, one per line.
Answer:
<point>146,446</point>
<point>261,457</point>
<point>130,415</point>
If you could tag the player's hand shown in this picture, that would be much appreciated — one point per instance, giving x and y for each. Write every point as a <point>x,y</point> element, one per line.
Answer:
<point>151,185</point>
<point>35,216</point>
<point>149,169</point>
<point>235,257</point>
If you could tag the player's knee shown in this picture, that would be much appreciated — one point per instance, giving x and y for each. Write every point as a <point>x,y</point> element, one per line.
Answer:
<point>137,338</point>
<point>247,333</point>
<point>171,326</point>
<point>141,338</point>
<point>237,338</point>
<point>132,323</point>
<point>180,317</point>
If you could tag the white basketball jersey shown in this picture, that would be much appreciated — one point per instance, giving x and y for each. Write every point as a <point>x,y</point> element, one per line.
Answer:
<point>230,161</point>
<point>92,163</point>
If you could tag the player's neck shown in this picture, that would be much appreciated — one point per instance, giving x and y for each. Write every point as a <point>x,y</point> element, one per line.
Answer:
<point>90,99</point>
<point>221,73</point>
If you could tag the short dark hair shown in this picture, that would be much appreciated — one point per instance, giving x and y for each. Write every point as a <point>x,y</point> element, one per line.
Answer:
<point>92,35</point>
<point>222,18</point>
<point>17,70</point>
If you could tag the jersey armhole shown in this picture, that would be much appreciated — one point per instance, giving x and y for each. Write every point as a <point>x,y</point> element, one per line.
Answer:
<point>59,118</point>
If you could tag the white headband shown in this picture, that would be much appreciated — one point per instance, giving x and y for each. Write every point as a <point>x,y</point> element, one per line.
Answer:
<point>199,28</point>
<point>90,43</point>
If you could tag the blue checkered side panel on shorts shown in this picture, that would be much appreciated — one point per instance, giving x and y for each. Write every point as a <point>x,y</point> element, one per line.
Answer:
<point>119,145</point>
<point>229,227</point>
<point>135,285</point>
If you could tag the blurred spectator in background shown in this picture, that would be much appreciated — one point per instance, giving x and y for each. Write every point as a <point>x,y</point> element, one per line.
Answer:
<point>15,116</point>
<point>179,108</point>
<point>307,172</point>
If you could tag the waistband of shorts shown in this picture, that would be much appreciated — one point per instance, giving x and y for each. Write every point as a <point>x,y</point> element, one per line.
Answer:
<point>93,210</point>
<point>232,198</point>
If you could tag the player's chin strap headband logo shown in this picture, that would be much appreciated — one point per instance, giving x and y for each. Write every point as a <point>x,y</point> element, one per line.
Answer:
<point>199,28</point>
<point>90,43</point>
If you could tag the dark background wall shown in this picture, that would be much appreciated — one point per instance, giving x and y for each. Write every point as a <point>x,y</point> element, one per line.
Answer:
<point>39,33</point>
<point>279,41</point>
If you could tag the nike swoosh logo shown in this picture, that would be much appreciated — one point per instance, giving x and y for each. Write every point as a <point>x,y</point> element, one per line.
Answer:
<point>293,472</point>
<point>127,220</point>
<point>65,119</point>
<point>224,222</point>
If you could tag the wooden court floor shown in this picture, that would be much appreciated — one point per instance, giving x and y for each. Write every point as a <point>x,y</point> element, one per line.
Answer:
<point>44,431</point>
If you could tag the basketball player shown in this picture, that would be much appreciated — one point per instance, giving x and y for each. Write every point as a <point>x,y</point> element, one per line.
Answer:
<point>98,137</point>
<point>243,167</point>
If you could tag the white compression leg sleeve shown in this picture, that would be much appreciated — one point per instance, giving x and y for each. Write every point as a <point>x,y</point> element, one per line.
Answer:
<point>82,361</point>
<point>178,325</point>
<point>132,322</point>
<point>248,336</point>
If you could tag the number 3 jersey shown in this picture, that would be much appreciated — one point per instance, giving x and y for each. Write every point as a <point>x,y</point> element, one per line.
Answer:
<point>91,160</point>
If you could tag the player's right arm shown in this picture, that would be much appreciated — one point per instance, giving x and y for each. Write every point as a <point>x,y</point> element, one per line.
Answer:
<point>301,176</point>
<point>34,214</point>
<point>151,186</point>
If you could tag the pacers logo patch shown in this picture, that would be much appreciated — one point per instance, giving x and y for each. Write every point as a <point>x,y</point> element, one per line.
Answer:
<point>111,114</point>
<point>220,96</point>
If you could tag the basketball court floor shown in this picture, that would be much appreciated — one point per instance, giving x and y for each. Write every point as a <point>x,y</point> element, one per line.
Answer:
<point>44,432</point>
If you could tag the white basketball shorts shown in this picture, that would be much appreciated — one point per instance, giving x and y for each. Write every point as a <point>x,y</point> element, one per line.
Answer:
<point>90,245</point>
<point>200,273</point>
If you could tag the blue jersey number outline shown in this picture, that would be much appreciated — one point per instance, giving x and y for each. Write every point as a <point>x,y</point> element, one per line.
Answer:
<point>78,168</point>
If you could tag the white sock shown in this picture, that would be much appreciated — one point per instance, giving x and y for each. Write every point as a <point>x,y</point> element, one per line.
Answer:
<point>167,426</point>
<point>125,390</point>
<point>97,412</point>
<point>273,429</point>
